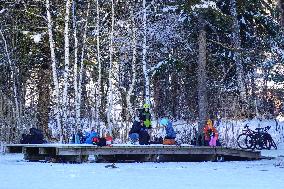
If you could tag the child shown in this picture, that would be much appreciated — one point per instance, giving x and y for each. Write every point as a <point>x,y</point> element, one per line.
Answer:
<point>211,134</point>
<point>170,133</point>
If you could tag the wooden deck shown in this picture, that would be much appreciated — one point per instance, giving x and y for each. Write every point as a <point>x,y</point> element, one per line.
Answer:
<point>155,153</point>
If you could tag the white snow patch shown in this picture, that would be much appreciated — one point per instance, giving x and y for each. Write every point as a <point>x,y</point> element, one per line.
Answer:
<point>37,38</point>
<point>2,11</point>
<point>243,20</point>
<point>170,8</point>
<point>204,5</point>
<point>25,32</point>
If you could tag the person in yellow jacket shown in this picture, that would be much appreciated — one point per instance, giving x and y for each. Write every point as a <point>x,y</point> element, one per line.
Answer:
<point>210,134</point>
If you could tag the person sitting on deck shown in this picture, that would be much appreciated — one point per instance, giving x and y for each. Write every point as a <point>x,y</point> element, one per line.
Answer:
<point>34,137</point>
<point>210,134</point>
<point>79,137</point>
<point>170,133</point>
<point>93,134</point>
<point>135,130</point>
<point>109,139</point>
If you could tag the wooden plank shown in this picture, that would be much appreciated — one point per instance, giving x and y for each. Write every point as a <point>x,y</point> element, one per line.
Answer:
<point>13,149</point>
<point>51,150</point>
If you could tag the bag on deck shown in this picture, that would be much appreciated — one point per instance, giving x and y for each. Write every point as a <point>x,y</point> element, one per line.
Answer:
<point>169,142</point>
<point>102,142</point>
<point>99,141</point>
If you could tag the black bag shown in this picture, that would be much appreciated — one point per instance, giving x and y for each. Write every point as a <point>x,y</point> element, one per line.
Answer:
<point>144,137</point>
<point>102,142</point>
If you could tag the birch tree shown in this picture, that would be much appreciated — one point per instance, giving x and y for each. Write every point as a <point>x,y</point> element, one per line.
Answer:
<point>16,108</point>
<point>144,55</point>
<point>110,77</point>
<point>78,81</point>
<point>66,62</point>
<point>130,112</point>
<point>77,102</point>
<point>54,71</point>
<point>98,85</point>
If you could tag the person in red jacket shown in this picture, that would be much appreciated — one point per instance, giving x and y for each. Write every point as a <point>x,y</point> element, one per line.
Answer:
<point>109,139</point>
<point>210,134</point>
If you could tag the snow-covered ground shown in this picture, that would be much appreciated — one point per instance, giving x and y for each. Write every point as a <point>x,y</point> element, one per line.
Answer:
<point>15,173</point>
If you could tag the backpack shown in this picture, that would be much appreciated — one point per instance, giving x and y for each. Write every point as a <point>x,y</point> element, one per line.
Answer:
<point>102,142</point>
<point>169,142</point>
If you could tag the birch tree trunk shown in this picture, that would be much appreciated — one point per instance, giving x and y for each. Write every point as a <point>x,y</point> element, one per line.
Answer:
<point>98,101</point>
<point>202,76</point>
<point>110,77</point>
<point>78,83</point>
<point>16,110</point>
<point>77,102</point>
<point>130,111</point>
<point>82,64</point>
<point>144,54</point>
<point>66,62</point>
<point>236,40</point>
<point>54,71</point>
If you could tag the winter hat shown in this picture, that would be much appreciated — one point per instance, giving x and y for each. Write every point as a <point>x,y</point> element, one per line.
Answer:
<point>164,121</point>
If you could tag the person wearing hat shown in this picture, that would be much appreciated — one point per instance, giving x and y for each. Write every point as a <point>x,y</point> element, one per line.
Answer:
<point>145,116</point>
<point>170,133</point>
<point>135,130</point>
<point>210,134</point>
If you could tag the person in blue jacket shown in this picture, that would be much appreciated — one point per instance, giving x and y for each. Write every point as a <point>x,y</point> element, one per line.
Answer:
<point>89,139</point>
<point>170,133</point>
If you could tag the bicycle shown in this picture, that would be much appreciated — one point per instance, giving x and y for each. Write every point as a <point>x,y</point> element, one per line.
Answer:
<point>259,139</point>
<point>244,140</point>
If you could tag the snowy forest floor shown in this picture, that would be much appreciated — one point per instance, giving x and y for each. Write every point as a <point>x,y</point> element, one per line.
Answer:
<point>16,173</point>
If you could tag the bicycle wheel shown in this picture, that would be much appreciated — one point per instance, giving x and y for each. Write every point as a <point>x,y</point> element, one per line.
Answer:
<point>262,143</point>
<point>259,144</point>
<point>250,142</point>
<point>241,140</point>
<point>273,144</point>
<point>266,138</point>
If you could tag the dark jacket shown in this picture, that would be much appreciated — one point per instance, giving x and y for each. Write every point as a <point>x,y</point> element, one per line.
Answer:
<point>146,118</point>
<point>136,127</point>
